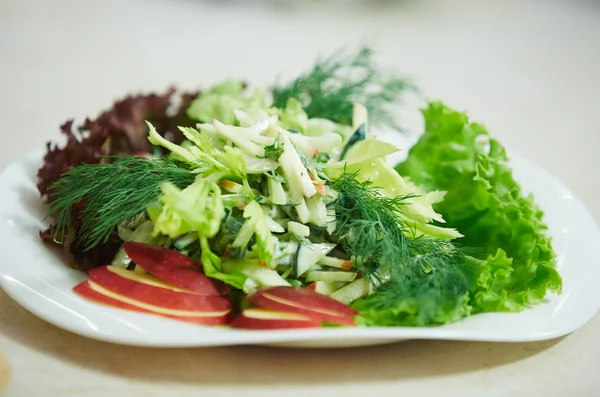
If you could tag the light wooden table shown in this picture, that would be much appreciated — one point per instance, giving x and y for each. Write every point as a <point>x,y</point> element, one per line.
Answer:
<point>527,69</point>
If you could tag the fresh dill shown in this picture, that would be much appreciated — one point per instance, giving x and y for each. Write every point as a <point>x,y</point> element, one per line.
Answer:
<point>111,194</point>
<point>329,89</point>
<point>421,273</point>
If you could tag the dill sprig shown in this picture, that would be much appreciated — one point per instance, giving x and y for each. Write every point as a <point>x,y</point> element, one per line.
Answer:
<point>420,280</point>
<point>111,194</point>
<point>329,89</point>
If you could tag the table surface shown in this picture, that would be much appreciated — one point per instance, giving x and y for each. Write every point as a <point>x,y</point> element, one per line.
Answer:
<point>527,69</point>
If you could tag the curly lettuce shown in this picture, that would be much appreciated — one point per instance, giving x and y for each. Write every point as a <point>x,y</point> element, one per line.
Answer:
<point>516,260</point>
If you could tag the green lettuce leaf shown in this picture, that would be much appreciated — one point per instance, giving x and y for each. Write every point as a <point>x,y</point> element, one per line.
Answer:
<point>433,308</point>
<point>484,202</point>
<point>293,116</point>
<point>256,224</point>
<point>213,267</point>
<point>196,208</point>
<point>220,101</point>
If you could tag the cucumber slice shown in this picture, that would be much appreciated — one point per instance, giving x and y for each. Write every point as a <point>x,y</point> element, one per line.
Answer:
<point>303,212</point>
<point>142,234</point>
<point>262,276</point>
<point>326,287</point>
<point>318,211</point>
<point>137,222</point>
<point>296,173</point>
<point>324,143</point>
<point>336,262</point>
<point>331,223</point>
<point>353,291</point>
<point>331,196</point>
<point>276,192</point>
<point>287,273</point>
<point>124,233</point>
<point>359,116</point>
<point>231,186</point>
<point>298,229</point>
<point>359,124</point>
<point>283,222</point>
<point>286,252</point>
<point>186,240</point>
<point>250,286</point>
<point>330,276</point>
<point>274,226</point>
<point>244,235</point>
<point>309,254</point>
<point>276,212</point>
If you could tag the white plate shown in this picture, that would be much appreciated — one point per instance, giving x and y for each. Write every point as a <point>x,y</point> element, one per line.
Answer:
<point>37,278</point>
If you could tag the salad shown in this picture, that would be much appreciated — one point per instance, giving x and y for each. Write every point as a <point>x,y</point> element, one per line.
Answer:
<point>275,207</point>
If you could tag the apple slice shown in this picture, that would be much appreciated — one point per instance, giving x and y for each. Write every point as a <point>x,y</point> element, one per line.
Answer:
<point>257,318</point>
<point>175,268</point>
<point>150,290</point>
<point>97,294</point>
<point>85,290</point>
<point>305,302</point>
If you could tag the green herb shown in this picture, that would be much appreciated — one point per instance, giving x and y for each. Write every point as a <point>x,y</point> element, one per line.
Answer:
<point>274,151</point>
<point>330,88</point>
<point>420,281</point>
<point>112,194</point>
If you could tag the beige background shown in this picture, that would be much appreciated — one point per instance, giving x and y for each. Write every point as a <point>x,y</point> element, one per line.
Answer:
<point>527,69</point>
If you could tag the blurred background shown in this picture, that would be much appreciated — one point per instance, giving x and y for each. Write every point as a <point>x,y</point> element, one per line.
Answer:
<point>528,69</point>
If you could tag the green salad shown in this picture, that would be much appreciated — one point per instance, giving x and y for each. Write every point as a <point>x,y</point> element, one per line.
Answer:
<point>290,186</point>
